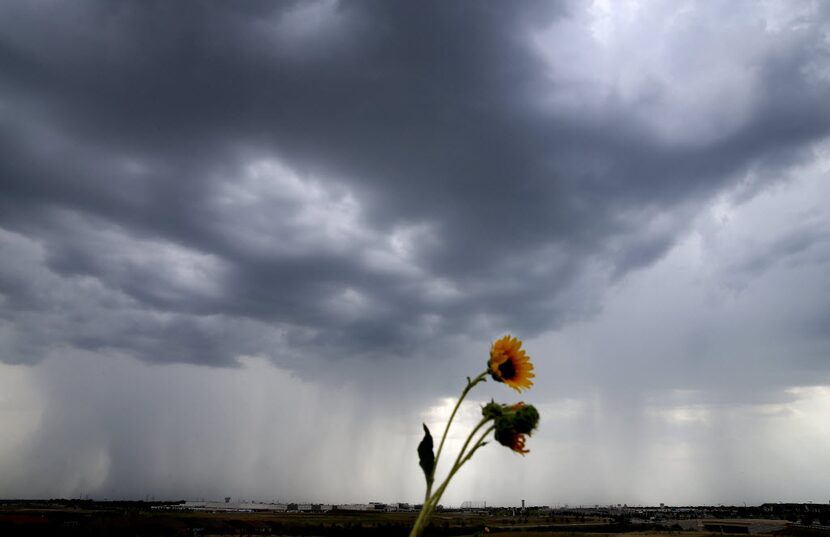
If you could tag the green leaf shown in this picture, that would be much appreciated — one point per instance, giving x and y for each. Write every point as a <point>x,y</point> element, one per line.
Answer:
<point>426,456</point>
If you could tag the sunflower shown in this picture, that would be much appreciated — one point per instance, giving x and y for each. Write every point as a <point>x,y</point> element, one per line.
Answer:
<point>509,364</point>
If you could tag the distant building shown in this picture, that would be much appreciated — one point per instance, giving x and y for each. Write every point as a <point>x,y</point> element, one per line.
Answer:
<point>355,507</point>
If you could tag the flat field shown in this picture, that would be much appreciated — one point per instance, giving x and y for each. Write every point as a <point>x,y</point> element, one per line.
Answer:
<point>136,519</point>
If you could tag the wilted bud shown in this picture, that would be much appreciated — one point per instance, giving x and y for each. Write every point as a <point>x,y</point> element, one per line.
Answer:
<point>513,424</point>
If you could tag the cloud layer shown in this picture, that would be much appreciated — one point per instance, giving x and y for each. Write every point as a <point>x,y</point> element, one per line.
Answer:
<point>200,182</point>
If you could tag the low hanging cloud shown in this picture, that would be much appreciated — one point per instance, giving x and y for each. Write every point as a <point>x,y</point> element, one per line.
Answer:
<point>199,182</point>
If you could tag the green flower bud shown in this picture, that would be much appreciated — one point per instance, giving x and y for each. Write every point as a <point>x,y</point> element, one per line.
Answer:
<point>526,419</point>
<point>492,410</point>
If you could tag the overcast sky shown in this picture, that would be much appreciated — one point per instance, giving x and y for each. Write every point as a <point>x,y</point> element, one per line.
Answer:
<point>246,248</point>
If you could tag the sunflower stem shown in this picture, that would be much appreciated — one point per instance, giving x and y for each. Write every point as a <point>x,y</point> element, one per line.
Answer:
<point>463,456</point>
<point>470,385</point>
<point>479,443</point>
<point>467,443</point>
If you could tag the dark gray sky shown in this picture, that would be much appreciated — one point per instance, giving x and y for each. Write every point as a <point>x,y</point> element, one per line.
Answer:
<point>245,248</point>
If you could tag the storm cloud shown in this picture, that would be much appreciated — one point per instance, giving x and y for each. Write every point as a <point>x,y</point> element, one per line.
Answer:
<point>355,178</point>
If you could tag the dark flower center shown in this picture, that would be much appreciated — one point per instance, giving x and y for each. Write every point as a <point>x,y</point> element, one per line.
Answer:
<point>507,369</point>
